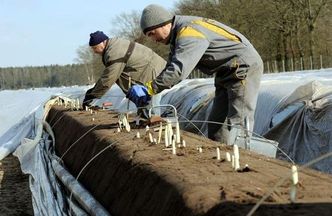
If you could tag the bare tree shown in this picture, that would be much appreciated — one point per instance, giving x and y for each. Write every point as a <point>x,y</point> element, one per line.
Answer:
<point>311,11</point>
<point>127,25</point>
<point>84,55</point>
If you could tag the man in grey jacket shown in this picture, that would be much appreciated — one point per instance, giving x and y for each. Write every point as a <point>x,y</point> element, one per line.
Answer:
<point>213,48</point>
<point>126,63</point>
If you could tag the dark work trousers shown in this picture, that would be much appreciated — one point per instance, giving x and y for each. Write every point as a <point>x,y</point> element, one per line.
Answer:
<point>235,99</point>
<point>143,113</point>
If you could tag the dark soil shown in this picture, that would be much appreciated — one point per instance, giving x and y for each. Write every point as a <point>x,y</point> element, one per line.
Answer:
<point>15,195</point>
<point>134,177</point>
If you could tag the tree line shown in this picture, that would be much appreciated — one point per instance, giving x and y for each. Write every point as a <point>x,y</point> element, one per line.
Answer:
<point>45,76</point>
<point>280,30</point>
<point>289,35</point>
<point>285,33</point>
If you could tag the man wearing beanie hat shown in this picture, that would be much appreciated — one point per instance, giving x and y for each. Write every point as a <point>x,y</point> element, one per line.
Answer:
<point>97,38</point>
<point>126,63</point>
<point>214,49</point>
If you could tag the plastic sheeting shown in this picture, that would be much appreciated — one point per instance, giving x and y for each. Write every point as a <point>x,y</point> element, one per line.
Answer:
<point>18,112</point>
<point>295,110</point>
<point>13,137</point>
<point>305,133</point>
<point>277,97</point>
<point>193,101</point>
<point>49,195</point>
<point>54,190</point>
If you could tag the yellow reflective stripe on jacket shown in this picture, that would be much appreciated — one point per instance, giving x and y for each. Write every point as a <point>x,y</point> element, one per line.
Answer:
<point>149,87</point>
<point>217,29</point>
<point>189,31</point>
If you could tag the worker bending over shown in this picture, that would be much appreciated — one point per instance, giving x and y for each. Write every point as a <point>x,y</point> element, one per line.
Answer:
<point>213,48</point>
<point>126,63</point>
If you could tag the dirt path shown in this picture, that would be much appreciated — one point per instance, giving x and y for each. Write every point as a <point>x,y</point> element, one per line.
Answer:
<point>15,196</point>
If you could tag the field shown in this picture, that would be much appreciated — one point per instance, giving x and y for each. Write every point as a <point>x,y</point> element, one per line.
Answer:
<point>131,176</point>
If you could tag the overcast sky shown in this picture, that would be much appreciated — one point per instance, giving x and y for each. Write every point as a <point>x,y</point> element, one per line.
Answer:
<point>44,32</point>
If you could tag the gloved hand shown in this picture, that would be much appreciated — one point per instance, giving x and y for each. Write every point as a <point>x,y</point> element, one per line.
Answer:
<point>88,98</point>
<point>139,95</point>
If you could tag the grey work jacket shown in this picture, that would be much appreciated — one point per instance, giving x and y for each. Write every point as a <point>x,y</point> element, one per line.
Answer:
<point>142,66</point>
<point>209,46</point>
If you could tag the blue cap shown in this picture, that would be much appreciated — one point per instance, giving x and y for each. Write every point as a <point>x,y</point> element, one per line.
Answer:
<point>97,37</point>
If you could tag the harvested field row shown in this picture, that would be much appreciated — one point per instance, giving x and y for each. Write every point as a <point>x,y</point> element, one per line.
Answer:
<point>134,177</point>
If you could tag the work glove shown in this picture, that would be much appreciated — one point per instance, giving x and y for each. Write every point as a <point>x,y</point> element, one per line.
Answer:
<point>88,98</point>
<point>139,95</point>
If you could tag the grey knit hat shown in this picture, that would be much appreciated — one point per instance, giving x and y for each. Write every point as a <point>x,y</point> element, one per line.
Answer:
<point>154,16</point>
